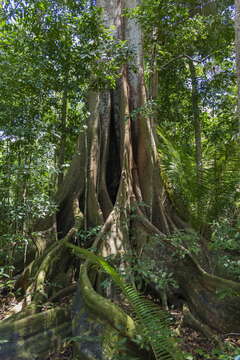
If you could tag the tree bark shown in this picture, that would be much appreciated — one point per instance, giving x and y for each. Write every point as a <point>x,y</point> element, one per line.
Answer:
<point>63,129</point>
<point>237,50</point>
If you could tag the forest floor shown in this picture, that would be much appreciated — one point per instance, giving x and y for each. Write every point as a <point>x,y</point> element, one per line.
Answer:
<point>193,343</point>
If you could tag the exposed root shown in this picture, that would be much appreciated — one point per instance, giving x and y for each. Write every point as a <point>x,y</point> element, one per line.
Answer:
<point>33,278</point>
<point>63,292</point>
<point>214,300</point>
<point>104,308</point>
<point>193,322</point>
<point>47,265</point>
<point>34,335</point>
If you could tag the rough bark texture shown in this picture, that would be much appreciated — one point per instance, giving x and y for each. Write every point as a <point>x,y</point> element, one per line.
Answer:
<point>114,182</point>
<point>212,300</point>
<point>30,337</point>
<point>237,47</point>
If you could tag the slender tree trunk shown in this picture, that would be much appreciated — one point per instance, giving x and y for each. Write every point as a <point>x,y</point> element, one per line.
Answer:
<point>196,122</point>
<point>63,126</point>
<point>198,138</point>
<point>237,49</point>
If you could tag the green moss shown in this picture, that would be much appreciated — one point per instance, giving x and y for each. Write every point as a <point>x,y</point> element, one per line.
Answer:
<point>105,309</point>
<point>34,335</point>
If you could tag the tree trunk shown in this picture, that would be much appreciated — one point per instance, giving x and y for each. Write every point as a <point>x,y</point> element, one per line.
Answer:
<point>114,183</point>
<point>196,122</point>
<point>63,129</point>
<point>237,47</point>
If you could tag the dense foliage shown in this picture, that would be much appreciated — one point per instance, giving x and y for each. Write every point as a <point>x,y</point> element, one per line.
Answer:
<point>192,51</point>
<point>52,52</point>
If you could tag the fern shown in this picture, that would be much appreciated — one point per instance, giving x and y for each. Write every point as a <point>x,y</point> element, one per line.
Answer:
<point>153,321</point>
<point>220,178</point>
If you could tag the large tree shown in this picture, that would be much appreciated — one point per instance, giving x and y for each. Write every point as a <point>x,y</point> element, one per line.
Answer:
<point>114,183</point>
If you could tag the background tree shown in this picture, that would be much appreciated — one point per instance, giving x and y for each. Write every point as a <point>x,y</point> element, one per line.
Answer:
<point>196,44</point>
<point>237,42</point>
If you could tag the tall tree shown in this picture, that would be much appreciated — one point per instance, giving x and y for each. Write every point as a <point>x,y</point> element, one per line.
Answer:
<point>114,182</point>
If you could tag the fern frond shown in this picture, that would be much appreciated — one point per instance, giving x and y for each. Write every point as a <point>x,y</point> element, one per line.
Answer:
<point>153,321</point>
<point>220,178</point>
